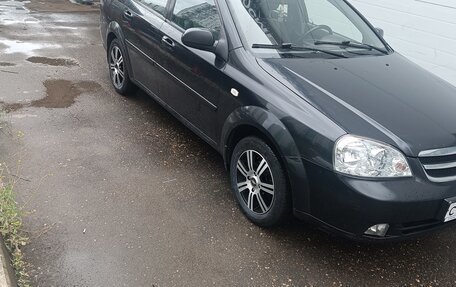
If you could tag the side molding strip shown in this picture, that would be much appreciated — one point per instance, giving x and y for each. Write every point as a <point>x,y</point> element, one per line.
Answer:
<point>214,107</point>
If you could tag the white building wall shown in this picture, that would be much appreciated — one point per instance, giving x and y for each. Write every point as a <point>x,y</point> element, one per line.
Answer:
<point>422,30</point>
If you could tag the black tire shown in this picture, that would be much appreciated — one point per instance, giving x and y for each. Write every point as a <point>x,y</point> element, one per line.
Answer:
<point>118,72</point>
<point>265,209</point>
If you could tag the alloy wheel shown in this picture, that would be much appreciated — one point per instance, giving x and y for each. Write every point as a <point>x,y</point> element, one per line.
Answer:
<point>116,64</point>
<point>255,182</point>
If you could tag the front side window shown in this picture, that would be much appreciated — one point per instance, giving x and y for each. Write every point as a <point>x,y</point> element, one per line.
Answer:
<point>318,24</point>
<point>197,14</point>
<point>156,5</point>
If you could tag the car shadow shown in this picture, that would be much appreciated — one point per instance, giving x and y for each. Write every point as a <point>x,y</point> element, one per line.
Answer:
<point>424,259</point>
<point>401,262</point>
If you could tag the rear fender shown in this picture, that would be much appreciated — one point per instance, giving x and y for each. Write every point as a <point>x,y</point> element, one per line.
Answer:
<point>114,28</point>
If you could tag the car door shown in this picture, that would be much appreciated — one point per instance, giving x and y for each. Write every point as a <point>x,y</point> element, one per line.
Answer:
<point>142,22</point>
<point>192,88</point>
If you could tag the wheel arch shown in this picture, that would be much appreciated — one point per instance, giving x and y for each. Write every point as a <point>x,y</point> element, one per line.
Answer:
<point>109,38</point>
<point>256,121</point>
<point>114,31</point>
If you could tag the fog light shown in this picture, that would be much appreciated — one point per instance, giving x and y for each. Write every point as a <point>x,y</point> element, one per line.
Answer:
<point>378,230</point>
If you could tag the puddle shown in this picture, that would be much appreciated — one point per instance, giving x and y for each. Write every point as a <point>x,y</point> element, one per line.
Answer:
<point>63,93</point>
<point>9,72</point>
<point>67,28</point>
<point>62,6</point>
<point>59,94</point>
<point>83,2</point>
<point>28,21</point>
<point>6,64</point>
<point>15,13</point>
<point>24,47</point>
<point>8,108</point>
<point>53,61</point>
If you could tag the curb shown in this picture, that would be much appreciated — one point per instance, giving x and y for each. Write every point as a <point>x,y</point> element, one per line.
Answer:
<point>7,276</point>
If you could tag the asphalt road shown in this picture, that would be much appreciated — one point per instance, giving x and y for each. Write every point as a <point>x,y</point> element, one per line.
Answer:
<point>119,193</point>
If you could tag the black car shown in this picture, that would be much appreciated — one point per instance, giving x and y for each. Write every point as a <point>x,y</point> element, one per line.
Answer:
<point>315,115</point>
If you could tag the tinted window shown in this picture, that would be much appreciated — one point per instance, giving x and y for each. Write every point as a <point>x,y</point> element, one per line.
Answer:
<point>197,13</point>
<point>156,5</point>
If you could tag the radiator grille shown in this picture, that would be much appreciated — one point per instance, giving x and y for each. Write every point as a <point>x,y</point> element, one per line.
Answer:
<point>439,164</point>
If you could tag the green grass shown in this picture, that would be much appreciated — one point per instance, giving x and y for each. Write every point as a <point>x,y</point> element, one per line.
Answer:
<point>11,231</point>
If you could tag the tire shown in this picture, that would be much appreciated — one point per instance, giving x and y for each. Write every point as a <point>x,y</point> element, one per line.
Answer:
<point>261,188</point>
<point>118,69</point>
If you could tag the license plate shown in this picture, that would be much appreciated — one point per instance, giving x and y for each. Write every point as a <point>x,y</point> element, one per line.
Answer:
<point>451,213</point>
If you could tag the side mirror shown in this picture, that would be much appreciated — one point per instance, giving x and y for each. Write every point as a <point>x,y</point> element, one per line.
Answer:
<point>198,38</point>
<point>380,32</point>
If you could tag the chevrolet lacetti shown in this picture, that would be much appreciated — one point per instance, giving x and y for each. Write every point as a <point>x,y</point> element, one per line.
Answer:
<point>315,115</point>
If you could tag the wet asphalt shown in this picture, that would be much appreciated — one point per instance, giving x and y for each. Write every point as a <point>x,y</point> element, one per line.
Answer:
<point>118,193</point>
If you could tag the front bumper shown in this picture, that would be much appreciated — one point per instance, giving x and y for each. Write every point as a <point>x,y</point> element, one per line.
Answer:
<point>348,205</point>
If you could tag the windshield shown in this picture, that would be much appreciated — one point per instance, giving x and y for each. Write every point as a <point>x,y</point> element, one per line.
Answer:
<point>324,24</point>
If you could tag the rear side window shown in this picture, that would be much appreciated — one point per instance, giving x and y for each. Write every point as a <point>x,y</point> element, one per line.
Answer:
<point>197,14</point>
<point>156,5</point>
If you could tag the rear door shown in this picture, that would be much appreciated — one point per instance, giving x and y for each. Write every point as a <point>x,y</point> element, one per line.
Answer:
<point>193,76</point>
<point>142,22</point>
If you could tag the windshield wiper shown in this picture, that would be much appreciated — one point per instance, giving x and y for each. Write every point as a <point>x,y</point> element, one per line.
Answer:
<point>353,45</point>
<point>290,46</point>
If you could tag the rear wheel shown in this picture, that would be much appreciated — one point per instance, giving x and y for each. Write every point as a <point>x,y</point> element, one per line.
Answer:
<point>259,182</point>
<point>118,69</point>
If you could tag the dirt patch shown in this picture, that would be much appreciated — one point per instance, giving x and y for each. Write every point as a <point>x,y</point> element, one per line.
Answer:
<point>59,94</point>
<point>60,6</point>
<point>6,64</point>
<point>63,93</point>
<point>53,61</point>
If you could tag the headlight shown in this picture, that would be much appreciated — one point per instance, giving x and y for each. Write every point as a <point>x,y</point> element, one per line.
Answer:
<point>367,158</point>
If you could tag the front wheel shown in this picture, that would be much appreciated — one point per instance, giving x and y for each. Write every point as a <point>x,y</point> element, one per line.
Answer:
<point>259,183</point>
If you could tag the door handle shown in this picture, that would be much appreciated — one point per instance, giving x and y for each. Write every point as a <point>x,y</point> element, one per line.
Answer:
<point>128,14</point>
<point>168,42</point>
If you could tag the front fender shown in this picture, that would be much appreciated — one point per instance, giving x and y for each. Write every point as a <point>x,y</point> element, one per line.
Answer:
<point>276,132</point>
<point>264,121</point>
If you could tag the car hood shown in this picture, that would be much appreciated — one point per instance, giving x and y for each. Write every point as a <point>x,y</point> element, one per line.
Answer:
<point>387,98</point>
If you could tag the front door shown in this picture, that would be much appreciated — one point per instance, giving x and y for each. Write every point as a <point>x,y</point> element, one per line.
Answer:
<point>196,75</point>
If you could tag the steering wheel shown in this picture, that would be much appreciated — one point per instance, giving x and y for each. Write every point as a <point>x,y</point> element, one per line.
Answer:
<point>318,27</point>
